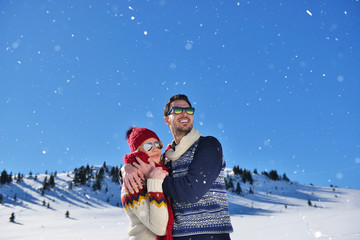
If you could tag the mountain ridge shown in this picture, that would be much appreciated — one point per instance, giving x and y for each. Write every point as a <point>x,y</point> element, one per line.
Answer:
<point>93,214</point>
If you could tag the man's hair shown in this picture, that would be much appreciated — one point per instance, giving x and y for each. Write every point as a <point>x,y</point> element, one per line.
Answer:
<point>174,98</point>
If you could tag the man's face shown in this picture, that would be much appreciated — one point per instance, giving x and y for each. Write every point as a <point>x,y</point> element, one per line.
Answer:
<point>179,123</point>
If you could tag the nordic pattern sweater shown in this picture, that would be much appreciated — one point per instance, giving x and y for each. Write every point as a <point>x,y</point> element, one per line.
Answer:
<point>147,211</point>
<point>196,187</point>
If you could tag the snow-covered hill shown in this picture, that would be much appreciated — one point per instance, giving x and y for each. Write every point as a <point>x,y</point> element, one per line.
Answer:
<point>276,210</point>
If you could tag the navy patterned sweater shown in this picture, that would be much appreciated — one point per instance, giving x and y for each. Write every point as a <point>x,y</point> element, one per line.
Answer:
<point>196,187</point>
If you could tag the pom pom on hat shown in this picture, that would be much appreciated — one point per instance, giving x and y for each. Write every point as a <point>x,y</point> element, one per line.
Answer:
<point>136,136</point>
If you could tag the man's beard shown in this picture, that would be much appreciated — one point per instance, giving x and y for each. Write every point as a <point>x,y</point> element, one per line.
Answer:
<point>182,131</point>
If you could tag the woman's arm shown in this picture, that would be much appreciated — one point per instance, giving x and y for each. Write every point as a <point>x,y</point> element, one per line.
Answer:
<point>149,206</point>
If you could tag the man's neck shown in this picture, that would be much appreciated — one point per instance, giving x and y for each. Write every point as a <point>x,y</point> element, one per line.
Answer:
<point>177,138</point>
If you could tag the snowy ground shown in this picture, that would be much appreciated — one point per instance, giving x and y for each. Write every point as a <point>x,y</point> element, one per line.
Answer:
<point>277,210</point>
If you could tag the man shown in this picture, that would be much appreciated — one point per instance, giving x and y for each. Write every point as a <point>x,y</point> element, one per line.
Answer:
<point>195,183</point>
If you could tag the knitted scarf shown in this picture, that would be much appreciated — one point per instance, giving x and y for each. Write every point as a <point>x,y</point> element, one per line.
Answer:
<point>187,141</point>
<point>130,158</point>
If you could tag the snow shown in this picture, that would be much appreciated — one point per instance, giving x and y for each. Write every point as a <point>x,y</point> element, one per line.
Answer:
<point>276,210</point>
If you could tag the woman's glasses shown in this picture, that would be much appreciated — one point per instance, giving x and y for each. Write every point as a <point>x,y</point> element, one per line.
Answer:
<point>149,145</point>
<point>179,110</point>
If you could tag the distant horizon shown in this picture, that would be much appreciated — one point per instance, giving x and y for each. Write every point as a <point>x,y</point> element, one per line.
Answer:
<point>259,172</point>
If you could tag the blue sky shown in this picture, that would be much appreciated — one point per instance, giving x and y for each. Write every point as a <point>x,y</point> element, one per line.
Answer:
<point>277,82</point>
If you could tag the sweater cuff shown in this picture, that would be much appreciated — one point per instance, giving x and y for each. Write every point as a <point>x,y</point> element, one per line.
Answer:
<point>154,185</point>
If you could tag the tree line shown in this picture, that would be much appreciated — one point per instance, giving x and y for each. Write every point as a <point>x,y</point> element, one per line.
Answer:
<point>246,177</point>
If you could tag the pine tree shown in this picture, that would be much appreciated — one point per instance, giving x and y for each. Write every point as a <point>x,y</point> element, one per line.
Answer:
<point>97,184</point>
<point>67,214</point>
<point>46,184</point>
<point>19,178</point>
<point>238,189</point>
<point>10,178</point>
<point>274,175</point>
<point>51,182</point>
<point>285,178</point>
<point>230,184</point>
<point>4,177</point>
<point>114,173</point>
<point>12,217</point>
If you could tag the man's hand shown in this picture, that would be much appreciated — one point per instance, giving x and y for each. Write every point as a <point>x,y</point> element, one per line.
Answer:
<point>158,173</point>
<point>132,178</point>
<point>144,167</point>
<point>133,174</point>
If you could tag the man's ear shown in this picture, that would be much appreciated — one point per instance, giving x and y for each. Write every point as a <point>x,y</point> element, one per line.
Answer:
<point>166,119</point>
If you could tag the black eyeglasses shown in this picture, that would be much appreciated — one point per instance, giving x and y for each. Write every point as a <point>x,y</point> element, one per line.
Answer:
<point>179,110</point>
<point>149,145</point>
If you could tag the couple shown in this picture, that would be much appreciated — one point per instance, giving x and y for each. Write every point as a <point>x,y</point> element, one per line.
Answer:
<point>190,173</point>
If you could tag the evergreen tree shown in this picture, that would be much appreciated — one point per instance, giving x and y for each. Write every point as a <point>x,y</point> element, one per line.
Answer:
<point>46,184</point>
<point>274,175</point>
<point>236,170</point>
<point>105,167</point>
<point>97,184</point>
<point>67,214</point>
<point>4,177</point>
<point>51,182</point>
<point>15,197</point>
<point>238,189</point>
<point>285,178</point>
<point>251,191</point>
<point>48,205</point>
<point>230,184</point>
<point>309,203</point>
<point>265,173</point>
<point>18,178</point>
<point>114,173</point>
<point>44,203</point>
<point>12,217</point>
<point>10,178</point>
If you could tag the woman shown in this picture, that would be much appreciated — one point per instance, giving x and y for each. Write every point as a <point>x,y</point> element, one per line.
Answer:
<point>149,211</point>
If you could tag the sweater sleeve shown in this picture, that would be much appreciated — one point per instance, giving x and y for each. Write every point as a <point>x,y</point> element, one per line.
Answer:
<point>148,208</point>
<point>202,172</point>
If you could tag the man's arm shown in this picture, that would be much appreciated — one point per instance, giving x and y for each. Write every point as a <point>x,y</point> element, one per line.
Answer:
<point>133,174</point>
<point>202,172</point>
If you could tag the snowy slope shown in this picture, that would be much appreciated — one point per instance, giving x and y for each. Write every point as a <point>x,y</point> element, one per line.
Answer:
<point>276,210</point>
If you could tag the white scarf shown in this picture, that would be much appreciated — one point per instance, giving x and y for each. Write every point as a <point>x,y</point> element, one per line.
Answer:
<point>186,142</point>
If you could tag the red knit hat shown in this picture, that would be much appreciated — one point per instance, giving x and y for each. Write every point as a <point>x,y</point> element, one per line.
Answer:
<point>136,136</point>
